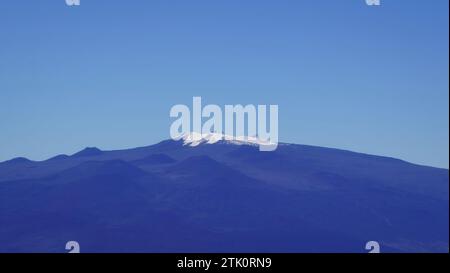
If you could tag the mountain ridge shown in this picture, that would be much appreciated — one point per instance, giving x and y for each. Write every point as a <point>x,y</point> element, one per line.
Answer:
<point>94,151</point>
<point>229,197</point>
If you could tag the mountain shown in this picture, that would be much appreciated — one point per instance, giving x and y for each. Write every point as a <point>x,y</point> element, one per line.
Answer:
<point>59,157</point>
<point>17,160</point>
<point>89,151</point>
<point>222,196</point>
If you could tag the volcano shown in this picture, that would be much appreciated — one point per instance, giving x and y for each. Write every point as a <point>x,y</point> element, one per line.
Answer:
<point>222,196</point>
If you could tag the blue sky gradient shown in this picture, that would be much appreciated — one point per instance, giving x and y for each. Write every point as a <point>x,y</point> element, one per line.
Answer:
<point>105,74</point>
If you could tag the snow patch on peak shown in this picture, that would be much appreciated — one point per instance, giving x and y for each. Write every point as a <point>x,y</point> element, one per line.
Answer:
<point>194,139</point>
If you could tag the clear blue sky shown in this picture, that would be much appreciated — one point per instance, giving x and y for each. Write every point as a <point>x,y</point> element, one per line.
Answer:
<point>105,74</point>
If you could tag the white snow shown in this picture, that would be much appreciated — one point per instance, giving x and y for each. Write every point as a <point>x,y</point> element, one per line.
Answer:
<point>194,139</point>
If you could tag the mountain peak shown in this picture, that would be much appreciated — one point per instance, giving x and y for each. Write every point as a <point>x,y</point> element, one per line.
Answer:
<point>58,157</point>
<point>18,160</point>
<point>194,139</point>
<point>89,151</point>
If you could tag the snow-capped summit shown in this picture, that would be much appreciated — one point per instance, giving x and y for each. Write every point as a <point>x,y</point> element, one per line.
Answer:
<point>194,139</point>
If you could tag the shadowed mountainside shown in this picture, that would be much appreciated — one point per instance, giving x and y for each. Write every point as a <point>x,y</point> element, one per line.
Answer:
<point>222,197</point>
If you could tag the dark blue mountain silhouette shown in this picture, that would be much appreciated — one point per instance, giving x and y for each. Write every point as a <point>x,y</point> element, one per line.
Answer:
<point>222,198</point>
<point>89,151</point>
<point>58,157</point>
<point>17,160</point>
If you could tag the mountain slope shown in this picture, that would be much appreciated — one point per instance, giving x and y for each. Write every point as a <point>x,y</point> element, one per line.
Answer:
<point>222,197</point>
